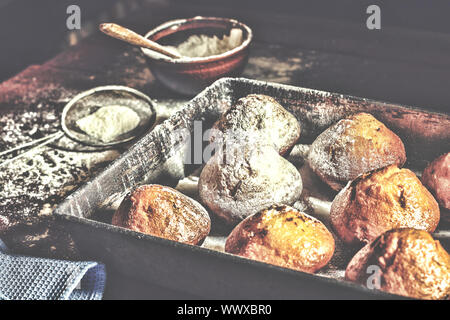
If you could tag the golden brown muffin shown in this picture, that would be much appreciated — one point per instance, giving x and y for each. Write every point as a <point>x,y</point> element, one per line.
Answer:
<point>251,179</point>
<point>407,262</point>
<point>352,146</point>
<point>381,200</point>
<point>436,177</point>
<point>163,212</point>
<point>264,116</point>
<point>283,236</point>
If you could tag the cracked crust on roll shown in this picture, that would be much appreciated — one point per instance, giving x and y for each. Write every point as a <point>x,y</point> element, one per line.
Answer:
<point>352,146</point>
<point>163,212</point>
<point>436,177</point>
<point>381,200</point>
<point>254,178</point>
<point>264,116</point>
<point>410,263</point>
<point>283,236</point>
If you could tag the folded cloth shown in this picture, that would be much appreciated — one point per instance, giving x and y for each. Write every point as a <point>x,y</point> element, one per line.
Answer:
<point>27,278</point>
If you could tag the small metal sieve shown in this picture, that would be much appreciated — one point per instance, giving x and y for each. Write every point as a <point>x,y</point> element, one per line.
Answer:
<point>87,103</point>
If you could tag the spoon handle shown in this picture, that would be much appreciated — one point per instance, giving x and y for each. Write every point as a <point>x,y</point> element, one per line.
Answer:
<point>127,35</point>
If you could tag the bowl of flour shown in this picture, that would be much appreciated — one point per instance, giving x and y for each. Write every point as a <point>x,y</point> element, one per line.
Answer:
<point>210,48</point>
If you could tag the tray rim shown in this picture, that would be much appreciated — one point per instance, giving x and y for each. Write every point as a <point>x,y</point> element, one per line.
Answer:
<point>215,253</point>
<point>341,95</point>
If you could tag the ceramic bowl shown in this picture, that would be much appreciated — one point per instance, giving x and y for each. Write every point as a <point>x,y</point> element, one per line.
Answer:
<point>191,75</point>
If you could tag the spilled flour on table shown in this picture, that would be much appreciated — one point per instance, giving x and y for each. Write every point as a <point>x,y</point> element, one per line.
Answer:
<point>35,183</point>
<point>269,66</point>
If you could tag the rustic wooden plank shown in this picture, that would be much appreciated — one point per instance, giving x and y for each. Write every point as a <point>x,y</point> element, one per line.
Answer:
<point>397,65</point>
<point>410,14</point>
<point>340,28</point>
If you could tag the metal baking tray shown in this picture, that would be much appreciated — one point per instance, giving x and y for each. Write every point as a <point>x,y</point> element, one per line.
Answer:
<point>207,271</point>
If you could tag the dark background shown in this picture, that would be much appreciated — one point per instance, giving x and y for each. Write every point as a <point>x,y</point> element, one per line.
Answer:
<point>407,61</point>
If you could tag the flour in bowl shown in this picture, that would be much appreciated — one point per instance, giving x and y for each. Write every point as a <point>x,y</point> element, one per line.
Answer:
<point>204,46</point>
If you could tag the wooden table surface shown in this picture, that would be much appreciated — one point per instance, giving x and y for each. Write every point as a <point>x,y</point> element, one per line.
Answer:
<point>396,64</point>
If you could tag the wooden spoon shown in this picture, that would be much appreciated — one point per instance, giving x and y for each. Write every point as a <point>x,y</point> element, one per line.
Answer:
<point>127,35</point>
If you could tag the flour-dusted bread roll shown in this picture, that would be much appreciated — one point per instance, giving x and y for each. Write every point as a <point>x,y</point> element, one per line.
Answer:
<point>436,177</point>
<point>283,236</point>
<point>263,116</point>
<point>381,200</point>
<point>407,262</point>
<point>163,212</point>
<point>352,146</point>
<point>254,177</point>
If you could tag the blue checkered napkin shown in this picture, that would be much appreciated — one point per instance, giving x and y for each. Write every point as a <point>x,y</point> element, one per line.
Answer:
<point>27,278</point>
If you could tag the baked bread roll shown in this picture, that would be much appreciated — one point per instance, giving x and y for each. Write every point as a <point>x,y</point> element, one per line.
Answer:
<point>352,146</point>
<point>235,184</point>
<point>163,212</point>
<point>407,262</point>
<point>381,200</point>
<point>283,236</point>
<point>264,116</point>
<point>436,177</point>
